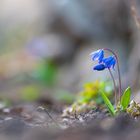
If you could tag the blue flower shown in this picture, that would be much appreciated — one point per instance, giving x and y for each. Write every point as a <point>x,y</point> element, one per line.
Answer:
<point>99,67</point>
<point>97,55</point>
<point>103,63</point>
<point>109,62</point>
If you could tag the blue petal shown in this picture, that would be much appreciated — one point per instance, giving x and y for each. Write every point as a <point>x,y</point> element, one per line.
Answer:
<point>109,62</point>
<point>97,55</point>
<point>99,67</point>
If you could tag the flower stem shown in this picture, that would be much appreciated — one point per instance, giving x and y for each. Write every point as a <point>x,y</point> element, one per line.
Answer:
<point>120,85</point>
<point>114,86</point>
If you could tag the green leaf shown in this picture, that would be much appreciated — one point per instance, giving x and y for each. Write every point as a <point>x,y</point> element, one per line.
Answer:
<point>108,104</point>
<point>125,99</point>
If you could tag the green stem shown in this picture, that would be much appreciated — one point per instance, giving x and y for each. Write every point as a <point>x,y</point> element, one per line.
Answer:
<point>117,60</point>
<point>114,86</point>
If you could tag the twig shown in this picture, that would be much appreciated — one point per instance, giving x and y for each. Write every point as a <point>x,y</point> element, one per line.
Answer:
<point>40,108</point>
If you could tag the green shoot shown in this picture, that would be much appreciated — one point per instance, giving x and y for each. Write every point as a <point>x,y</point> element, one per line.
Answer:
<point>108,104</point>
<point>125,99</point>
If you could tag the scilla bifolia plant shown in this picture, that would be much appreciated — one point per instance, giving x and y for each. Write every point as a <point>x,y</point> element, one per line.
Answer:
<point>121,100</point>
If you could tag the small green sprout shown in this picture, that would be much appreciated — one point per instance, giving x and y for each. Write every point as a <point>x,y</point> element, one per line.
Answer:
<point>108,104</point>
<point>125,99</point>
<point>121,106</point>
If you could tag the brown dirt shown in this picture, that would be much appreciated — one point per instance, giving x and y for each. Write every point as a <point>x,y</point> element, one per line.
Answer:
<point>28,123</point>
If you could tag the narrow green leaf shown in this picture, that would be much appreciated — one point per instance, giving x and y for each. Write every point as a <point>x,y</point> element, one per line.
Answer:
<point>108,104</point>
<point>125,99</point>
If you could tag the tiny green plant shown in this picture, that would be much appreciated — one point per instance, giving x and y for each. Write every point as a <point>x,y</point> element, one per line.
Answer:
<point>108,104</point>
<point>125,99</point>
<point>121,106</point>
<point>122,101</point>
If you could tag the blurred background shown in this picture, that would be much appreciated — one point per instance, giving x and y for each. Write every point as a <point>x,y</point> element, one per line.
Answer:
<point>45,46</point>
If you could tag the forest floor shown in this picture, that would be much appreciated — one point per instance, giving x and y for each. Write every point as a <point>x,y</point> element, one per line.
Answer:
<point>30,122</point>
